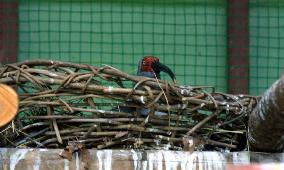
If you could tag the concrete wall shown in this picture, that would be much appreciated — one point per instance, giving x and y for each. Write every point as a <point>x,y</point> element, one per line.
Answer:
<point>18,159</point>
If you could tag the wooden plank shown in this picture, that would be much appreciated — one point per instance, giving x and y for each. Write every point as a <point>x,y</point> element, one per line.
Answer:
<point>238,50</point>
<point>8,31</point>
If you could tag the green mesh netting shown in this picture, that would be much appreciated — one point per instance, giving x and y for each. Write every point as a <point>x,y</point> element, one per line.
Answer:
<point>190,36</point>
<point>266,43</point>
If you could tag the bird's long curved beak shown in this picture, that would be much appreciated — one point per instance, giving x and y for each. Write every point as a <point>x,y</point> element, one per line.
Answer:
<point>161,67</point>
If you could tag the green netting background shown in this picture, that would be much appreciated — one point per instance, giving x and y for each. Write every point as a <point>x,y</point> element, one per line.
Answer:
<point>266,43</point>
<point>190,36</point>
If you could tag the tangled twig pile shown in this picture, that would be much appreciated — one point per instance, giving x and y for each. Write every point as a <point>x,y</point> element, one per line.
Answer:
<point>62,102</point>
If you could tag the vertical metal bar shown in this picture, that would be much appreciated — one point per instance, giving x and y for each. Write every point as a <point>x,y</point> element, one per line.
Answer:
<point>8,31</point>
<point>238,46</point>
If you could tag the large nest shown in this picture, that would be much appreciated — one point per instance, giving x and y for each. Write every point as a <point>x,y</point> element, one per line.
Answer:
<point>101,107</point>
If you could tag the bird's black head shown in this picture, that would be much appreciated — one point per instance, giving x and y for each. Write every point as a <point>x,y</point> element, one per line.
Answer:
<point>152,64</point>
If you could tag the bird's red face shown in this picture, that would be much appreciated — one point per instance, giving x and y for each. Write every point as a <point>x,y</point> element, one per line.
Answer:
<point>147,63</point>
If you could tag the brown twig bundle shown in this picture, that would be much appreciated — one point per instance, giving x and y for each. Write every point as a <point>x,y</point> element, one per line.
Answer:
<point>101,107</point>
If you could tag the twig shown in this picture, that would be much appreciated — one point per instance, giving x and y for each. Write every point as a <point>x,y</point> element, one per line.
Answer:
<point>200,124</point>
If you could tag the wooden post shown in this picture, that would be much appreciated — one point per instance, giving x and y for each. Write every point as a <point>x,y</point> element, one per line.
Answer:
<point>8,31</point>
<point>238,50</point>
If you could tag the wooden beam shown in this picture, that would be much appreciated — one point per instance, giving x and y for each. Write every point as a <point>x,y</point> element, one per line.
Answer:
<point>238,46</point>
<point>8,31</point>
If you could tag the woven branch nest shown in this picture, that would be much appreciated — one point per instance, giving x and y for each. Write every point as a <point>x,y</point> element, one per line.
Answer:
<point>63,103</point>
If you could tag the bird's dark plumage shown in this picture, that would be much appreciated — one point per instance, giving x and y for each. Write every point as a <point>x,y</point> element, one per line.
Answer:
<point>151,67</point>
